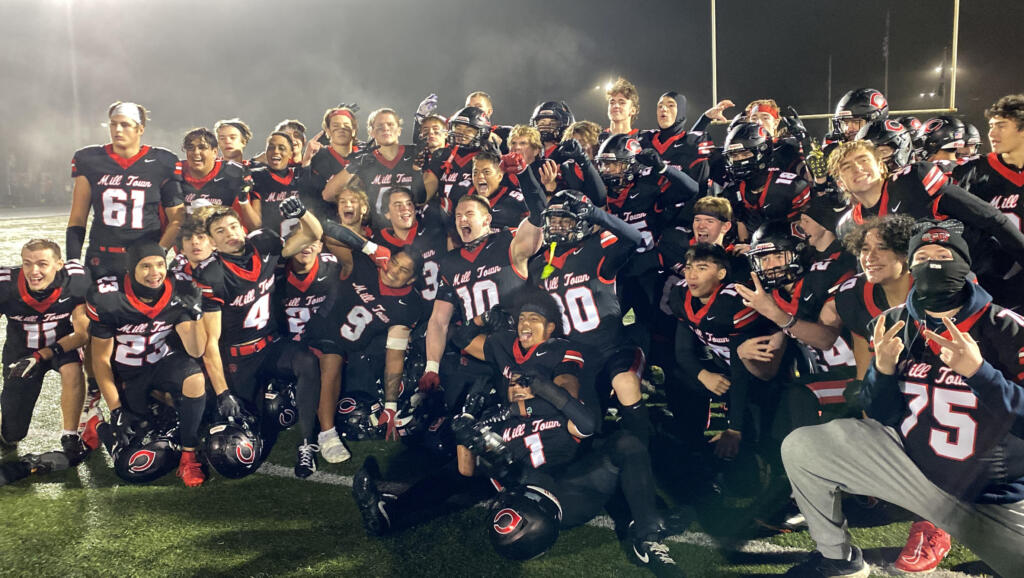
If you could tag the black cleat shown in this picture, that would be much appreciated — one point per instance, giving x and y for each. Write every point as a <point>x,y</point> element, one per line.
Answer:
<point>305,459</point>
<point>73,448</point>
<point>818,566</point>
<point>47,462</point>
<point>651,552</point>
<point>368,498</point>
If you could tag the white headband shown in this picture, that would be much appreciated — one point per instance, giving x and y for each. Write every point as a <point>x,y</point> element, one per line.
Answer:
<point>129,109</point>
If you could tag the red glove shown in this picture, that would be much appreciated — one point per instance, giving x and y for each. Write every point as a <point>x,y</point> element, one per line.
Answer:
<point>389,419</point>
<point>380,255</point>
<point>513,163</point>
<point>430,381</point>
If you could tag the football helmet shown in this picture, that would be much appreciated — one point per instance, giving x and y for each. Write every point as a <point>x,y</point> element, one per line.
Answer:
<point>616,160</point>
<point>776,237</point>
<point>149,455</point>
<point>357,416</point>
<point>861,103</point>
<point>747,137</point>
<point>942,133</point>
<point>567,204</point>
<point>233,448</point>
<point>893,135</point>
<point>554,110</point>
<point>971,135</point>
<point>472,117</point>
<point>523,522</point>
<point>279,411</point>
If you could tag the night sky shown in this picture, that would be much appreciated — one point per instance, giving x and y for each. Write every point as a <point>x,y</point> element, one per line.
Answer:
<point>194,62</point>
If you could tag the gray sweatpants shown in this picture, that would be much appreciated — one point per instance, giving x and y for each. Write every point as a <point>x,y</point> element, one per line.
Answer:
<point>865,458</point>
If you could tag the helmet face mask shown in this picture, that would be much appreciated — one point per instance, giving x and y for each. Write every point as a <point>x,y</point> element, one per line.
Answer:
<point>470,118</point>
<point>563,222</point>
<point>616,160</point>
<point>775,255</point>
<point>747,150</point>
<point>865,104</point>
<point>551,118</point>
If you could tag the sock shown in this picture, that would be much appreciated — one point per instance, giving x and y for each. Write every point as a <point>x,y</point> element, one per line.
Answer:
<point>636,419</point>
<point>190,413</point>
<point>68,432</point>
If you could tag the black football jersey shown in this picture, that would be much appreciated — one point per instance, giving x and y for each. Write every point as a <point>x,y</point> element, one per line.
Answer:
<point>915,190</point>
<point>950,429</point>
<point>326,163</point>
<point>38,319</point>
<point>364,309</point>
<point>242,288</point>
<point>858,302</point>
<point>476,280</point>
<point>583,284</point>
<point>453,167</point>
<point>549,359</point>
<point>427,236</point>
<point>143,333</point>
<point>128,195</point>
<point>508,207</point>
<point>271,189</point>
<point>780,196</point>
<point>301,295</point>
<point>540,442</point>
<point>687,151</point>
<point>718,321</point>
<point>221,187</point>
<point>381,176</point>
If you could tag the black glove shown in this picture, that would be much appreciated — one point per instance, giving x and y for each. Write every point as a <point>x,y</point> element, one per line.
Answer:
<point>496,319</point>
<point>25,368</point>
<point>583,208</point>
<point>123,421</point>
<point>228,405</point>
<point>358,162</point>
<point>794,126</point>
<point>46,462</point>
<point>651,158</point>
<point>546,389</point>
<point>353,107</point>
<point>189,297</point>
<point>572,150</point>
<point>474,405</point>
<point>292,208</point>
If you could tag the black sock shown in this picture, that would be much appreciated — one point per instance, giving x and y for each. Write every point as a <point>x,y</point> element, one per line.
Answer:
<point>636,419</point>
<point>190,413</point>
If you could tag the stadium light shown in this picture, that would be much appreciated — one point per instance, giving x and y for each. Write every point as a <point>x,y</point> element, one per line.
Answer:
<point>938,68</point>
<point>608,85</point>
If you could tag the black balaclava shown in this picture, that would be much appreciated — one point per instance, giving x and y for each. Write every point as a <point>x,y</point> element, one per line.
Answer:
<point>939,285</point>
<point>680,99</point>
<point>137,253</point>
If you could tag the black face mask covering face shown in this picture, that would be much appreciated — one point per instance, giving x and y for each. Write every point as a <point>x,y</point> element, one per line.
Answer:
<point>147,293</point>
<point>939,285</point>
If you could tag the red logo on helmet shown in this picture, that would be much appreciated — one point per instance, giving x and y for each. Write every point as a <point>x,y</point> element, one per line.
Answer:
<point>245,453</point>
<point>286,418</point>
<point>633,146</point>
<point>936,235</point>
<point>877,100</point>
<point>141,461</point>
<point>894,126</point>
<point>346,405</point>
<point>761,132</point>
<point>506,521</point>
<point>933,125</point>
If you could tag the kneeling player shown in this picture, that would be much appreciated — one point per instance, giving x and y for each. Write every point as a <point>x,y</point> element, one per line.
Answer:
<point>145,328</point>
<point>44,301</point>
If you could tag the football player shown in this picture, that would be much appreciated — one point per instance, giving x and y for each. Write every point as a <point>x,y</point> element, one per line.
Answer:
<point>551,119</point>
<point>449,174</point>
<point>483,272</point>
<point>213,180</point>
<point>623,108</point>
<point>126,185</point>
<point>342,128</point>
<point>894,143</point>
<point>944,438</point>
<point>499,136</point>
<point>243,350</point>
<point>525,140</point>
<point>855,110</point>
<point>579,270</point>
<point>686,151</point>
<point>44,302</point>
<point>508,208</point>
<point>278,180</point>
<point>144,330</point>
<point>939,139</point>
<point>232,136</point>
<point>425,232</point>
<point>998,179</point>
<point>586,133</point>
<point>388,165</point>
<point>972,140</point>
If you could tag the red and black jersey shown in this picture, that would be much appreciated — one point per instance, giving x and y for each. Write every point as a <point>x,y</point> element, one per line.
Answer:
<point>858,302</point>
<point>583,283</point>
<point>271,188</point>
<point>474,280</point>
<point>242,288</point>
<point>301,295</point>
<point>427,236</point>
<point>688,152</point>
<point>952,430</point>
<point>222,186</point>
<point>37,319</point>
<point>363,311</point>
<point>453,167</point>
<point>328,162</point>
<point>508,207</point>
<point>806,300</point>
<point>381,176</point>
<point>128,195</point>
<point>143,333</point>
<point>1001,186</point>
<point>549,359</point>
<point>541,441</point>
<point>720,320</point>
<point>776,196</point>
<point>915,190</point>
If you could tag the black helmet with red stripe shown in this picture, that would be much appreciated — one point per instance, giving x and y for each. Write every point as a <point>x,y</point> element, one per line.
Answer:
<point>474,118</point>
<point>748,150</point>
<point>891,134</point>
<point>942,133</point>
<point>616,160</point>
<point>554,110</point>
<point>866,104</point>
<point>524,522</point>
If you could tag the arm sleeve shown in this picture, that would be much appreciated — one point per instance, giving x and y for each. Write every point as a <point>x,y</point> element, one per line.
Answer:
<point>978,214</point>
<point>593,187</point>
<point>534,196</point>
<point>681,187</point>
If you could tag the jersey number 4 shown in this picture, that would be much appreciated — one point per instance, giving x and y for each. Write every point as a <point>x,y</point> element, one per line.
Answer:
<point>119,206</point>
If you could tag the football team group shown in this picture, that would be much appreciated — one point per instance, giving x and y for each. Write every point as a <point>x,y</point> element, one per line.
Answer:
<point>535,307</point>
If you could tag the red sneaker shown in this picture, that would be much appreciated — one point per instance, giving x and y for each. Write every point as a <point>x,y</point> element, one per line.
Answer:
<point>190,470</point>
<point>925,549</point>
<point>90,437</point>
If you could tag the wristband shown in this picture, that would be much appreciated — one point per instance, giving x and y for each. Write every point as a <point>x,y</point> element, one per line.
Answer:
<point>392,405</point>
<point>788,324</point>
<point>57,350</point>
<point>432,367</point>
